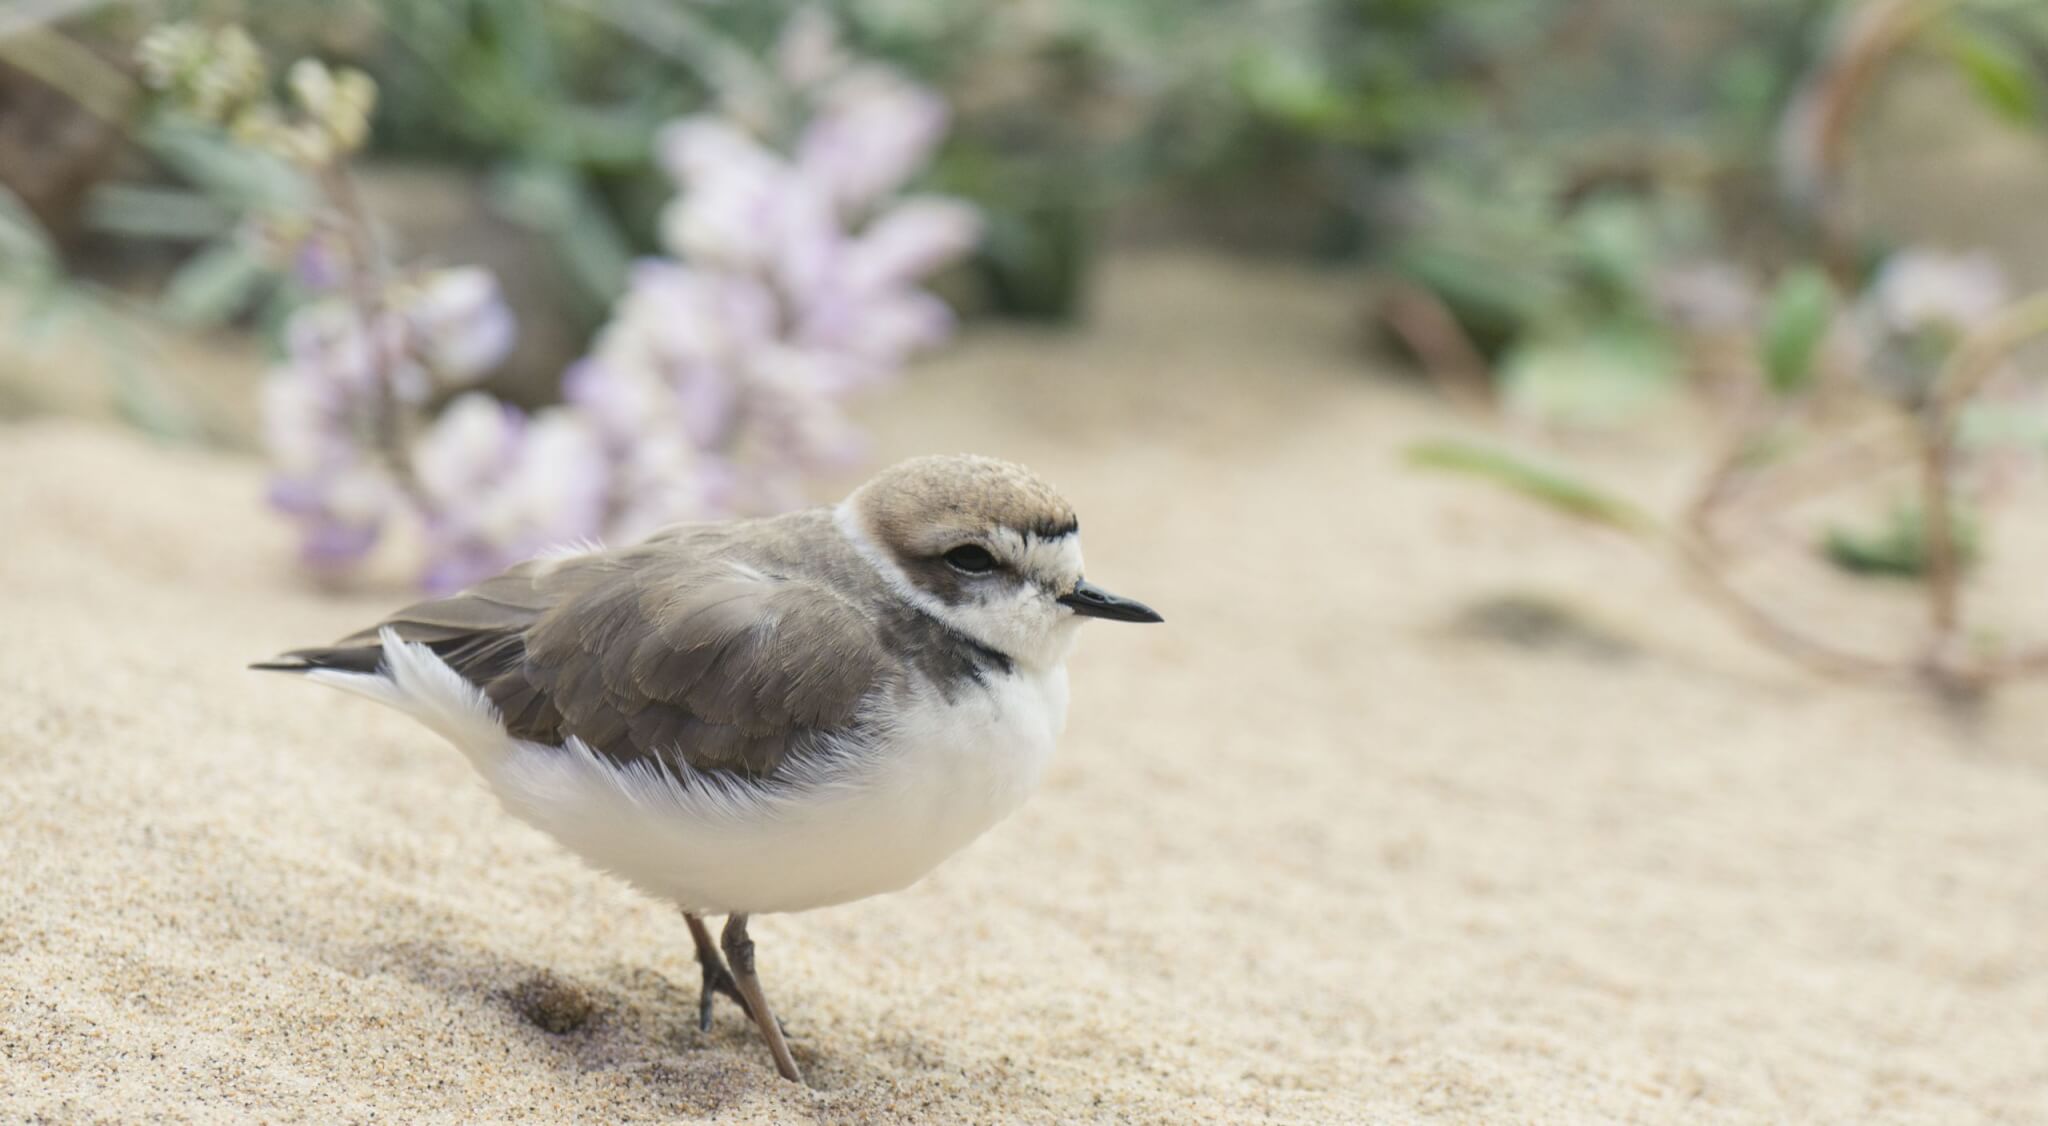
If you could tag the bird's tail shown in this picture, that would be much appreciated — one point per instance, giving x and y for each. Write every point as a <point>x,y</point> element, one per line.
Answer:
<point>408,676</point>
<point>349,658</point>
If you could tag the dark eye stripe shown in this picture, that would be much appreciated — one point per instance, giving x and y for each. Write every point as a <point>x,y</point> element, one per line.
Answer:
<point>972,558</point>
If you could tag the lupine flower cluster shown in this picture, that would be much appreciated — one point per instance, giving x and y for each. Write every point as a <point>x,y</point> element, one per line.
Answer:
<point>340,408</point>
<point>793,285</point>
<point>791,282</point>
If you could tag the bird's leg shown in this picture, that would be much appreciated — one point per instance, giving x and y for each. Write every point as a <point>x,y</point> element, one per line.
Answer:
<point>739,950</point>
<point>716,978</point>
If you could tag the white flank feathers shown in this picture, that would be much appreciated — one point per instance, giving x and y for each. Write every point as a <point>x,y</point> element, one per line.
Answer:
<point>834,828</point>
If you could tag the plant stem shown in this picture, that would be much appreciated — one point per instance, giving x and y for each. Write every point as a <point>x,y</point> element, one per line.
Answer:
<point>1872,37</point>
<point>1977,358</point>
<point>1969,367</point>
<point>1703,567</point>
<point>1856,459</point>
<point>1936,454</point>
<point>1939,663</point>
<point>1723,479</point>
<point>1703,562</point>
<point>368,282</point>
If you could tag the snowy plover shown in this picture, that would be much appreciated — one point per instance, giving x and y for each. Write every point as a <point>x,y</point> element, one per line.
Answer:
<point>763,715</point>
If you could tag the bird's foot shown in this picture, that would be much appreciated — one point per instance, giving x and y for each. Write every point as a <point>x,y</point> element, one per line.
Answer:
<point>717,980</point>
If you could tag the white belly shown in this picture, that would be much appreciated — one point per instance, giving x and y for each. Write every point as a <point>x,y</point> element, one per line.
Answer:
<point>867,823</point>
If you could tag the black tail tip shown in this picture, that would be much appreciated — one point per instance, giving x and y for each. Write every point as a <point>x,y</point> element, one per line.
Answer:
<point>356,658</point>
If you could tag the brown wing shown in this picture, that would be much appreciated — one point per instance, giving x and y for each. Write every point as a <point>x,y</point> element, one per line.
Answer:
<point>649,653</point>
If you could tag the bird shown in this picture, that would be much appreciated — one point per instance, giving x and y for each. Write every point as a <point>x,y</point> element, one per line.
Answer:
<point>763,715</point>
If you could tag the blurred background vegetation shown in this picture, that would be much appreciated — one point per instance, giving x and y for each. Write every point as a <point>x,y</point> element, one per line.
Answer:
<point>1540,168</point>
<point>1562,213</point>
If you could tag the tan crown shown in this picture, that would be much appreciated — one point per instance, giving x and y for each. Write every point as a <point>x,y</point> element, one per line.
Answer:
<point>925,505</point>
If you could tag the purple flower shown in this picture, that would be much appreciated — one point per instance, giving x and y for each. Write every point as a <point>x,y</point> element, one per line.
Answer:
<point>321,478</point>
<point>504,486</point>
<point>719,384</point>
<point>735,193</point>
<point>910,241</point>
<point>319,264</point>
<point>326,407</point>
<point>340,512</point>
<point>326,339</point>
<point>1922,290</point>
<point>873,130</point>
<point>460,323</point>
<point>699,148</point>
<point>1921,306</point>
<point>470,445</point>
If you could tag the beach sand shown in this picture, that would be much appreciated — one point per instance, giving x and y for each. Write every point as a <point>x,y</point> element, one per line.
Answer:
<point>1312,851</point>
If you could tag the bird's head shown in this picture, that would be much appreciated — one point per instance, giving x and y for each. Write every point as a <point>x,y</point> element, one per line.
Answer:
<point>986,547</point>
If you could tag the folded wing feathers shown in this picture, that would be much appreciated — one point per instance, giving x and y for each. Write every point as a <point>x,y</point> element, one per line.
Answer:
<point>649,652</point>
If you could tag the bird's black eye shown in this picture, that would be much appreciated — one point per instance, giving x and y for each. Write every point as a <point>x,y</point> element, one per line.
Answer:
<point>971,558</point>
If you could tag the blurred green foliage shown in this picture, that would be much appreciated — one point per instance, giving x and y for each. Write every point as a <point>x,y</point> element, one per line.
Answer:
<point>1897,547</point>
<point>1553,488</point>
<point>1550,170</point>
<point>1795,324</point>
<point>1060,111</point>
<point>50,300</point>
<point>1536,165</point>
<point>1599,198</point>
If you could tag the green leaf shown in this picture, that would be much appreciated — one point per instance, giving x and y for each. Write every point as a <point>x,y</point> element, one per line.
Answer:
<point>1795,322</point>
<point>1494,302</point>
<point>1615,242</point>
<point>604,137</point>
<point>1898,548</point>
<point>1599,377</point>
<point>233,174</point>
<point>214,285</point>
<point>1036,259</point>
<point>143,211</point>
<point>1290,88</point>
<point>1546,486</point>
<point>2000,72</point>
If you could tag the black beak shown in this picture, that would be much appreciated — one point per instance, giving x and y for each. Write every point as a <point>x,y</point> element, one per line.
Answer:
<point>1091,601</point>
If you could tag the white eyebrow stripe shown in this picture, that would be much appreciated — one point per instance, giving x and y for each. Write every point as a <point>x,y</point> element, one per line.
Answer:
<point>1060,555</point>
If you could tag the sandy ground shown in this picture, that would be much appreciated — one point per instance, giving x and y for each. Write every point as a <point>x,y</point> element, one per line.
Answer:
<point>1309,853</point>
